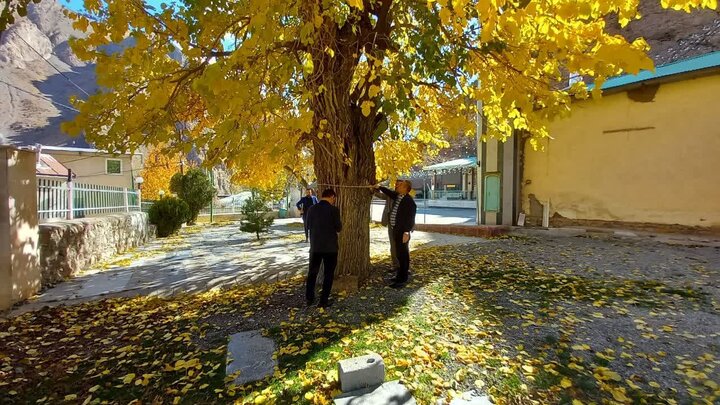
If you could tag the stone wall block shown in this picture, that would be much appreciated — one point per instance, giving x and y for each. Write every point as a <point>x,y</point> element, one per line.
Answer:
<point>67,247</point>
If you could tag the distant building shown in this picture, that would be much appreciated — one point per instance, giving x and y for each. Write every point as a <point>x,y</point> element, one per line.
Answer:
<point>645,153</point>
<point>94,166</point>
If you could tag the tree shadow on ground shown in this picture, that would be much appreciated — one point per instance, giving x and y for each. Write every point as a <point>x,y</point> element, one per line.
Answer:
<point>482,311</point>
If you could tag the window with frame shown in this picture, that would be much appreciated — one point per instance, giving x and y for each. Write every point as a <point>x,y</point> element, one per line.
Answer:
<point>113,166</point>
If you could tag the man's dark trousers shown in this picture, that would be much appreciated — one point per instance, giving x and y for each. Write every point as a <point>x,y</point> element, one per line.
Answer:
<point>329,260</point>
<point>305,224</point>
<point>403,256</point>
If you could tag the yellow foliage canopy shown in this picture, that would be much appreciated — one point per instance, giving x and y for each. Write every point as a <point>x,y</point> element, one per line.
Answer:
<point>159,168</point>
<point>257,82</point>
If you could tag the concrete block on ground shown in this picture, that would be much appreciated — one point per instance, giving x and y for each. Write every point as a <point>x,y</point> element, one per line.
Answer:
<point>471,398</point>
<point>252,355</point>
<point>361,372</point>
<point>390,393</point>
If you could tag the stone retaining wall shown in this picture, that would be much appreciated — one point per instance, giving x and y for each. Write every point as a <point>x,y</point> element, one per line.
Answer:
<point>67,247</point>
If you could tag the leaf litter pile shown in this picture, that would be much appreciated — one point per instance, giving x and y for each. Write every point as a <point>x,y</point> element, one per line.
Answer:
<point>524,320</point>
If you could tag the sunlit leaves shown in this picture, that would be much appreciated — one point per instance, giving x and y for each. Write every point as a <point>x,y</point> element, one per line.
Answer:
<point>250,81</point>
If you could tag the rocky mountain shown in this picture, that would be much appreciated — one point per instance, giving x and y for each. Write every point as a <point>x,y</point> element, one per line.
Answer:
<point>673,35</point>
<point>38,75</point>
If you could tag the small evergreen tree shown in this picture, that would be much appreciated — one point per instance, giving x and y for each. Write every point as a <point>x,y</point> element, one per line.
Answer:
<point>255,215</point>
<point>193,187</point>
<point>168,214</point>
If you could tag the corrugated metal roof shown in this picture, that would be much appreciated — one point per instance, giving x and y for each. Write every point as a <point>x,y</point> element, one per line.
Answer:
<point>697,63</point>
<point>470,161</point>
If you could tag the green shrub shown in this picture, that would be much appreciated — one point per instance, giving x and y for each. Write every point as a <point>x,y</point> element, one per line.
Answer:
<point>193,187</point>
<point>255,215</point>
<point>168,214</point>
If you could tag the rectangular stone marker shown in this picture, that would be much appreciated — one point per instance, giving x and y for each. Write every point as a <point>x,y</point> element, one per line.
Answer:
<point>361,372</point>
<point>252,355</point>
<point>390,393</point>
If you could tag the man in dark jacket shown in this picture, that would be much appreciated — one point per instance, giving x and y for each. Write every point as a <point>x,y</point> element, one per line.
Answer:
<point>402,223</point>
<point>323,222</point>
<point>304,206</point>
<point>385,221</point>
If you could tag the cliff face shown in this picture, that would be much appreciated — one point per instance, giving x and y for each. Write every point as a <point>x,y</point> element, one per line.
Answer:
<point>35,65</point>
<point>673,35</point>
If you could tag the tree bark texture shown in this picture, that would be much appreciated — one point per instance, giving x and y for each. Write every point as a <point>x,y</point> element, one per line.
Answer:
<point>342,139</point>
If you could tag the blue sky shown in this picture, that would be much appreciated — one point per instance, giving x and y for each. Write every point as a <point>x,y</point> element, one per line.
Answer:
<point>77,5</point>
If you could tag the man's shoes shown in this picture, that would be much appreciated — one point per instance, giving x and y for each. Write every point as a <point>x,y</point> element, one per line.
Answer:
<point>325,304</point>
<point>398,284</point>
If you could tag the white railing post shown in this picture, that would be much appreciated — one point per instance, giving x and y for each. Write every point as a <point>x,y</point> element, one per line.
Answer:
<point>125,199</point>
<point>70,200</point>
<point>139,199</point>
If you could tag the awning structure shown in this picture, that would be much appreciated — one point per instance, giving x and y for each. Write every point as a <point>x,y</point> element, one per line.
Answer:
<point>48,166</point>
<point>451,165</point>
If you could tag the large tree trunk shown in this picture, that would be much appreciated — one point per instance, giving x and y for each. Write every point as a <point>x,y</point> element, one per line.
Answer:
<point>342,140</point>
<point>346,163</point>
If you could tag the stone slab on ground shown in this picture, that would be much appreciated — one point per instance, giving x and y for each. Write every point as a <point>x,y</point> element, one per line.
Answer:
<point>471,398</point>
<point>105,283</point>
<point>390,393</point>
<point>250,354</point>
<point>361,372</point>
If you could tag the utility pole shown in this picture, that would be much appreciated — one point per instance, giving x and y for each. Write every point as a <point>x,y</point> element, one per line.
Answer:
<point>478,168</point>
<point>212,202</point>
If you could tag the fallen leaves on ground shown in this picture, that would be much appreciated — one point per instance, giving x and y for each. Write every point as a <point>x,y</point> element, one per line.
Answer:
<point>473,318</point>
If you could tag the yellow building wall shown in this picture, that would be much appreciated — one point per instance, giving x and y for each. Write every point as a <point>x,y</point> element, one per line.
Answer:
<point>20,274</point>
<point>90,168</point>
<point>598,168</point>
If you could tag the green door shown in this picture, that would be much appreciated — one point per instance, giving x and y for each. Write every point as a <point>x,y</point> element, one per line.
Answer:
<point>491,194</point>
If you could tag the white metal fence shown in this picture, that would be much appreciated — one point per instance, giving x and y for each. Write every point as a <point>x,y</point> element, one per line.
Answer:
<point>63,199</point>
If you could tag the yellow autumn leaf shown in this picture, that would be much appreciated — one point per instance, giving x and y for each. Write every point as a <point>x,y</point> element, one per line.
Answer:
<point>71,397</point>
<point>565,382</point>
<point>309,396</point>
<point>260,399</point>
<point>356,3</point>
<point>373,91</point>
<point>619,395</point>
<point>367,107</point>
<point>128,378</point>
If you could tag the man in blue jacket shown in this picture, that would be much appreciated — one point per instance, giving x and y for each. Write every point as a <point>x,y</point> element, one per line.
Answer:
<point>324,224</point>
<point>304,206</point>
<point>401,223</point>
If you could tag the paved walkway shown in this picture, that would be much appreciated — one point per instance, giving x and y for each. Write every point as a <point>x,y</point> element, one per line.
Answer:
<point>434,215</point>
<point>213,257</point>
